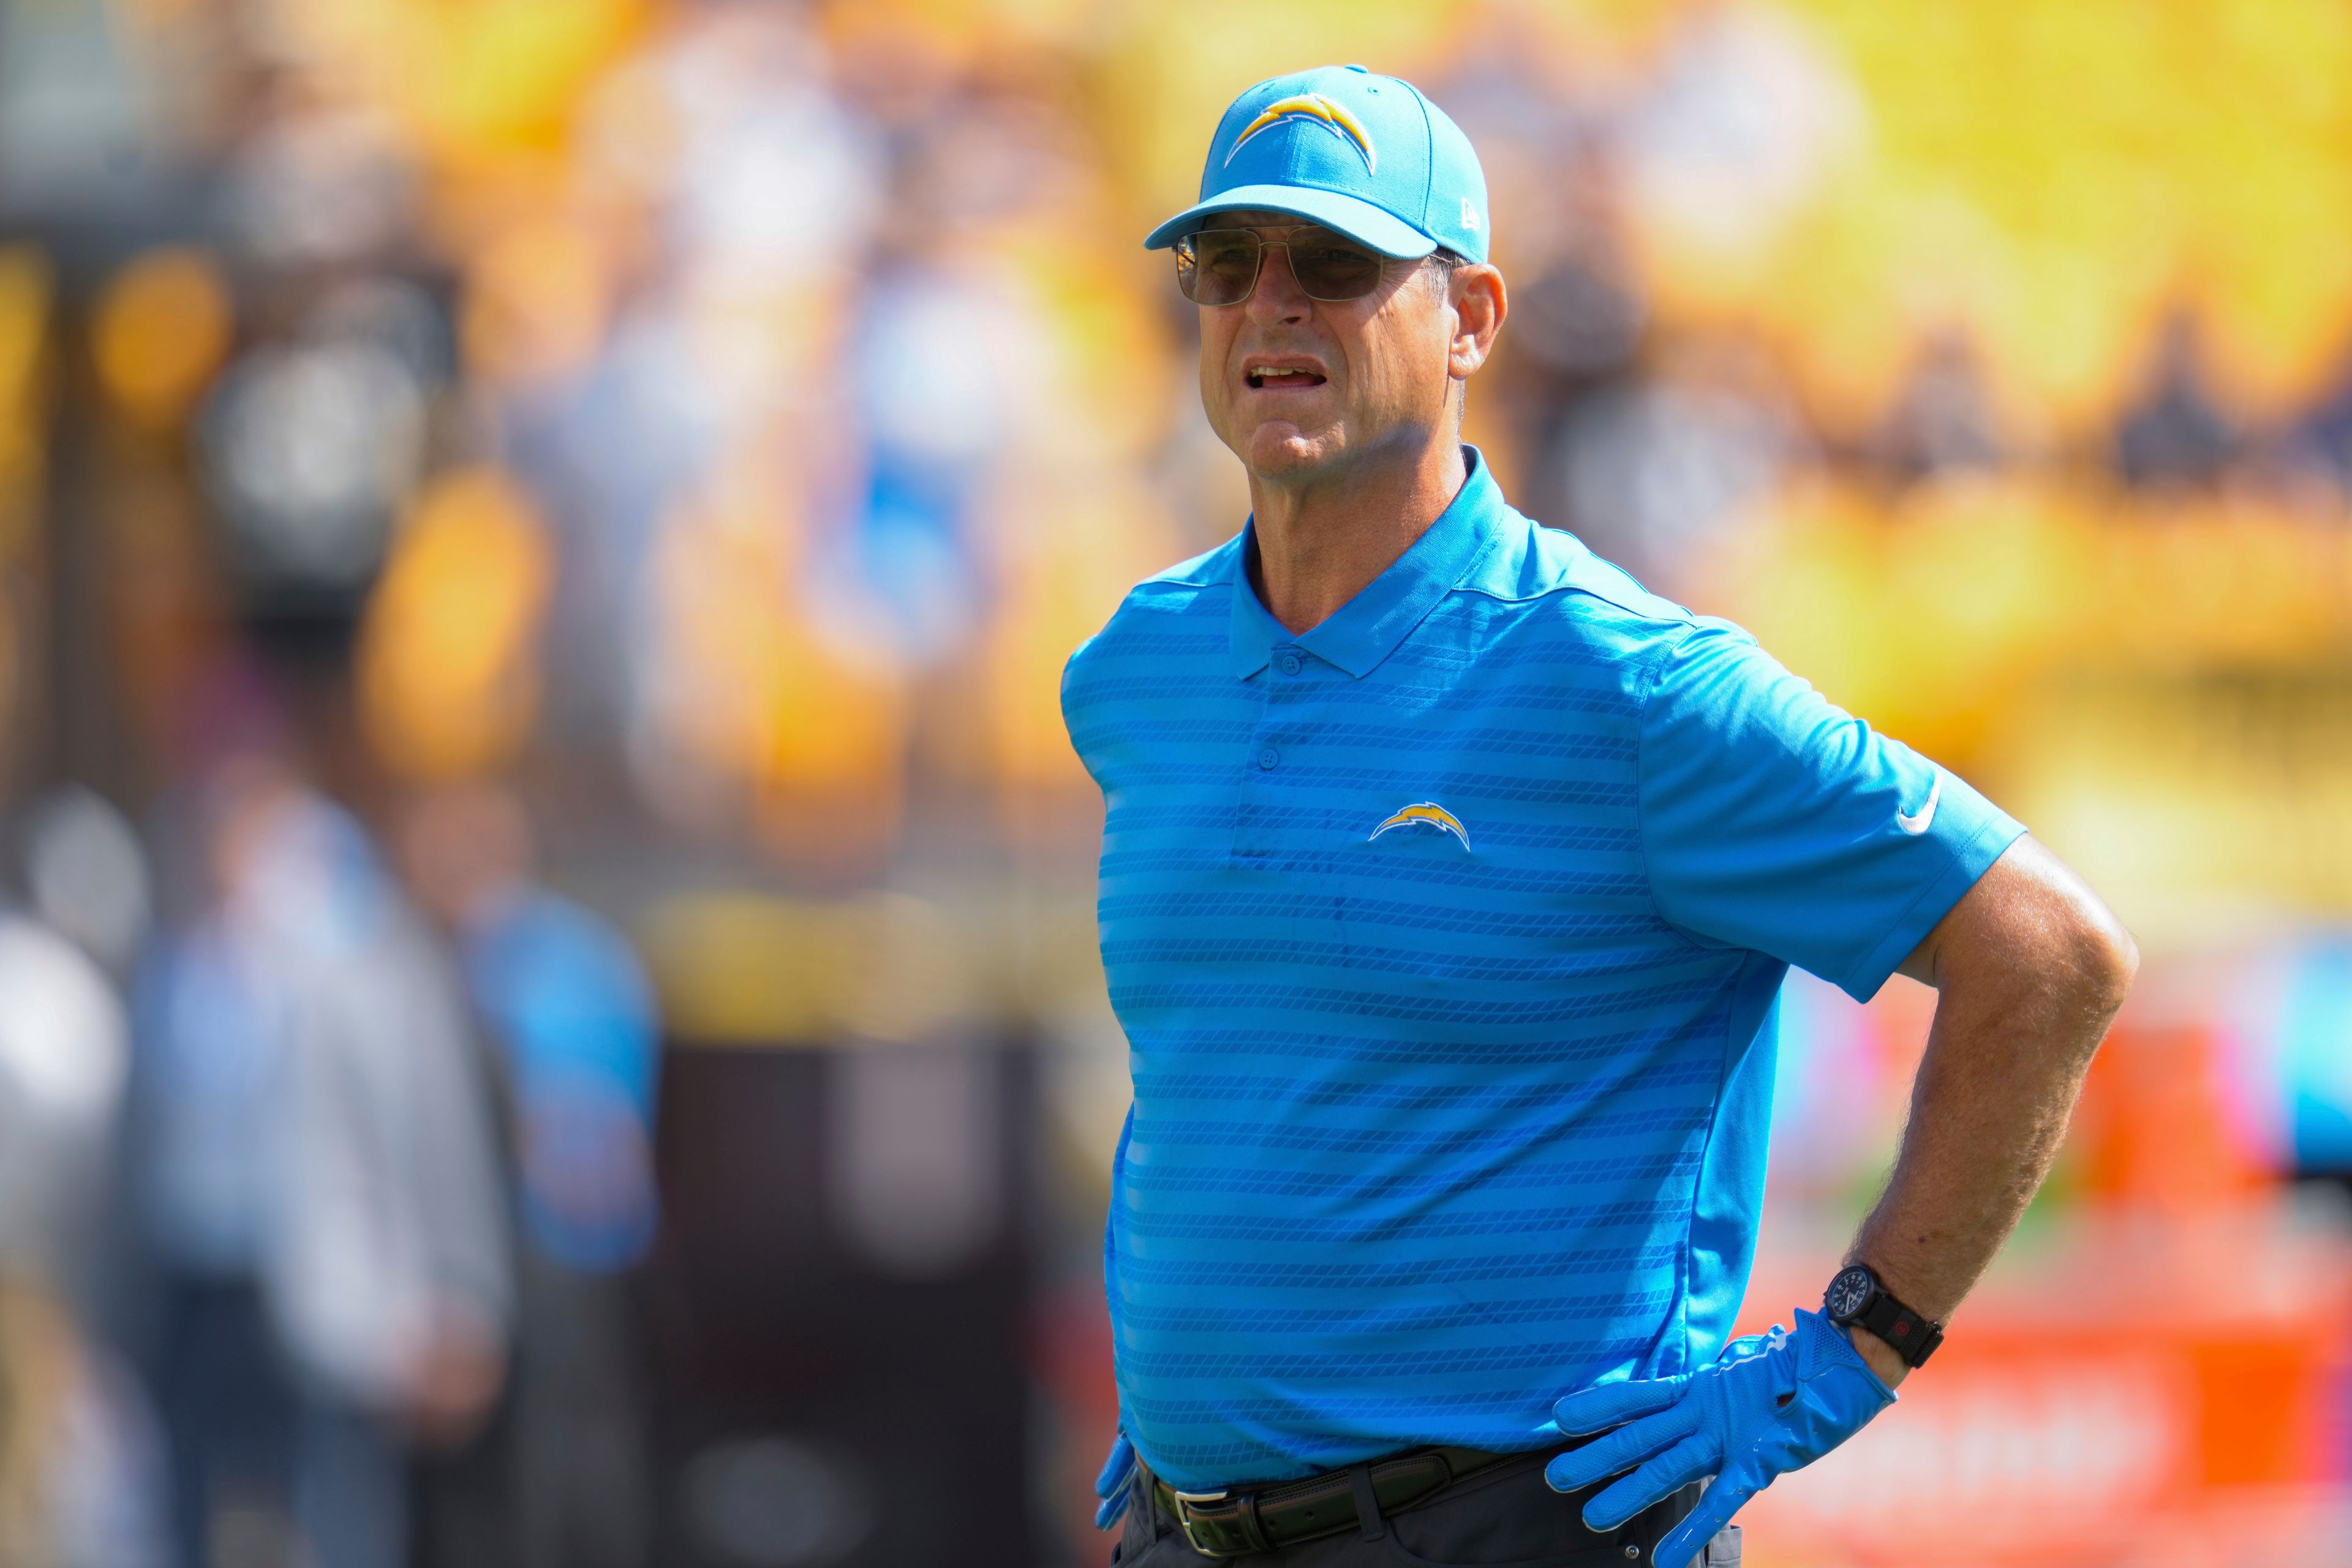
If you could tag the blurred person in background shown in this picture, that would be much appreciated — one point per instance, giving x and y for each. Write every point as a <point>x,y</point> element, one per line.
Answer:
<point>82,1482</point>
<point>2174,436</point>
<point>1448,880</point>
<point>316,1173</point>
<point>564,998</point>
<point>65,1034</point>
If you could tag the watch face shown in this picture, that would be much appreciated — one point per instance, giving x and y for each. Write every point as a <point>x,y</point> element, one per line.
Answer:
<point>1848,1293</point>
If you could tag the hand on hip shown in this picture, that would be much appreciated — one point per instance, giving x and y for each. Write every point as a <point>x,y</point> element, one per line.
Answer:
<point>1771,1403</point>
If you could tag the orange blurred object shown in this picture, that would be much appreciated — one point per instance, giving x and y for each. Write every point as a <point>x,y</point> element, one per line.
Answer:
<point>25,286</point>
<point>2116,1393</point>
<point>2154,1365</point>
<point>162,327</point>
<point>449,683</point>
<point>477,82</point>
<point>2149,1135</point>
<point>537,300</point>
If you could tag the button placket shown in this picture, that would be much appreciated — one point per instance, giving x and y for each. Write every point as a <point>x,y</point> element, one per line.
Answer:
<point>1261,793</point>
<point>1272,837</point>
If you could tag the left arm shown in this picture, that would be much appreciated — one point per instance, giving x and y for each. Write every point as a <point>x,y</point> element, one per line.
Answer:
<point>2030,967</point>
<point>1775,822</point>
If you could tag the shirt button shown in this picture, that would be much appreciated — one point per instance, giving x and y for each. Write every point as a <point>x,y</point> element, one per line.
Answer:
<point>1267,758</point>
<point>1290,665</point>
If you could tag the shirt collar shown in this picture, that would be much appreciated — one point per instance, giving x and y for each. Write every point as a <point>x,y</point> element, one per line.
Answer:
<point>1366,629</point>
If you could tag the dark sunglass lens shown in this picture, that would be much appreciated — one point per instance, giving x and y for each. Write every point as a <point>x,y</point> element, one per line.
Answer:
<point>1329,267</point>
<point>1222,264</point>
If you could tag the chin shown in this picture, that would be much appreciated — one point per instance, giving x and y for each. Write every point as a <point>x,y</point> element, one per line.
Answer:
<point>1284,452</point>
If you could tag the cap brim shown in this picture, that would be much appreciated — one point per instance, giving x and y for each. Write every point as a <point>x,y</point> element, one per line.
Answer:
<point>1359,219</point>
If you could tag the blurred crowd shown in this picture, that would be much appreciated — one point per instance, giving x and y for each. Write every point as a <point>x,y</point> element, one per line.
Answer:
<point>311,1173</point>
<point>518,517</point>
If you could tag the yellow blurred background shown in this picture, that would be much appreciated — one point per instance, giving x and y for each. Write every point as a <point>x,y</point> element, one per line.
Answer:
<point>701,431</point>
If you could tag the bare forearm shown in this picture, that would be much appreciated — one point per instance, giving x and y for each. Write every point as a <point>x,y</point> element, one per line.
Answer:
<point>1991,1106</point>
<point>2030,979</point>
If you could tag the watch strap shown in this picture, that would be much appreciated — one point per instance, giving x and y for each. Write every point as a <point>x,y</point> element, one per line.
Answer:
<point>1910,1335</point>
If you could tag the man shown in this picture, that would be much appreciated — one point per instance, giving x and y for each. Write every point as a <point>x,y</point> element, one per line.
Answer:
<point>318,1173</point>
<point>1448,878</point>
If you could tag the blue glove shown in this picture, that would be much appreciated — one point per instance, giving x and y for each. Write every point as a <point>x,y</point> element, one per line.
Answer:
<point>1773,1403</point>
<point>1111,1485</point>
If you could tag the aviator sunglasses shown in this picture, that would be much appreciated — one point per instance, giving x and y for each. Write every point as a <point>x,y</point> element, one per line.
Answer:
<point>1220,265</point>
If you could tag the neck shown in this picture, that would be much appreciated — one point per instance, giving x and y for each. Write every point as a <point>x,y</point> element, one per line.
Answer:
<point>1322,541</point>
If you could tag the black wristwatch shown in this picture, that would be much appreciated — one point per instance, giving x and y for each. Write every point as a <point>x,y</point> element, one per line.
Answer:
<point>1858,1298</point>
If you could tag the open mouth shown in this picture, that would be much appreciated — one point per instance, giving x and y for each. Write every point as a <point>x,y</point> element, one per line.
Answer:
<point>1283,376</point>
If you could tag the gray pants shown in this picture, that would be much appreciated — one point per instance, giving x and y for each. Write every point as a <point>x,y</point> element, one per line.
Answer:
<point>1504,1515</point>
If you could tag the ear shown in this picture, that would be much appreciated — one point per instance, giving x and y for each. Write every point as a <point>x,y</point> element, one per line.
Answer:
<point>1479,304</point>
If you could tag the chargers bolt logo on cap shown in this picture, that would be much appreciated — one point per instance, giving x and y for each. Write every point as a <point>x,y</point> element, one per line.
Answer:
<point>1314,105</point>
<point>1365,155</point>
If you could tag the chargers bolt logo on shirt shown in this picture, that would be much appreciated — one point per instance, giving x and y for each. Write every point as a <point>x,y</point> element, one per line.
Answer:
<point>1313,106</point>
<point>1427,811</point>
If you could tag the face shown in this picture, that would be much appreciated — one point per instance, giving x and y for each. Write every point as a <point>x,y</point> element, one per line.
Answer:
<point>1302,389</point>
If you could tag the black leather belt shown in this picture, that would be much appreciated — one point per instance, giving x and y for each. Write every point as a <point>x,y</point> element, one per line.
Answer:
<point>1236,1522</point>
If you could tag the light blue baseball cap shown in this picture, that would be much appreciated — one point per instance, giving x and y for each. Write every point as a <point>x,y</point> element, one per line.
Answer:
<point>1362,153</point>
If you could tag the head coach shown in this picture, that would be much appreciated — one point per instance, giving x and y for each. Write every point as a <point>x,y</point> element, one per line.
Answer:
<point>1448,878</point>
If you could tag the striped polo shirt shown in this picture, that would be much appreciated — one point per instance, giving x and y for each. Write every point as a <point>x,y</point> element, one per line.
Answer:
<point>1445,937</point>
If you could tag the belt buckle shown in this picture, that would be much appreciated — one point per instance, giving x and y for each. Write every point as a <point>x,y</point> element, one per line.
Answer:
<point>1231,1532</point>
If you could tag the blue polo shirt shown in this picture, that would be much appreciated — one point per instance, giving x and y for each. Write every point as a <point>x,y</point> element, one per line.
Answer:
<point>1445,937</point>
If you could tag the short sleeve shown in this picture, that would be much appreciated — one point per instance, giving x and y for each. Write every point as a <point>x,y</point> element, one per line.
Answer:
<point>1774,821</point>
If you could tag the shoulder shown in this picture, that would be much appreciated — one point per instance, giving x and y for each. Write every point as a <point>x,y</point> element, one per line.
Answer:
<point>1542,586</point>
<point>1178,611</point>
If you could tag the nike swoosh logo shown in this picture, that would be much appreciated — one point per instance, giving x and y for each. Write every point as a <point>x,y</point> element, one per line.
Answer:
<point>1917,823</point>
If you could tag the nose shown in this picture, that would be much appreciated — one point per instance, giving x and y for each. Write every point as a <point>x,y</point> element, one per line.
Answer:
<point>1278,300</point>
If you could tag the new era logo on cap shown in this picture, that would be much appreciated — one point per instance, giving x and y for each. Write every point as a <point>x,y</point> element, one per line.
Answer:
<point>1360,153</point>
